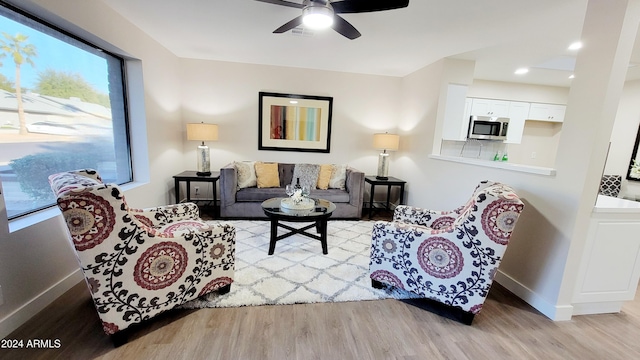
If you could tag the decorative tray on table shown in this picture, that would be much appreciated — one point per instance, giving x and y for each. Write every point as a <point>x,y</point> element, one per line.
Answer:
<point>289,206</point>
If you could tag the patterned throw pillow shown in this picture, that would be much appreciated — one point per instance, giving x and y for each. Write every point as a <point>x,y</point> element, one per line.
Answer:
<point>338,177</point>
<point>325,175</point>
<point>307,173</point>
<point>246,174</point>
<point>267,175</point>
<point>610,185</point>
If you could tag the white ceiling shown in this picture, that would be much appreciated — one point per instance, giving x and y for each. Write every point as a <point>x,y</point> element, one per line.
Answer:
<point>500,35</point>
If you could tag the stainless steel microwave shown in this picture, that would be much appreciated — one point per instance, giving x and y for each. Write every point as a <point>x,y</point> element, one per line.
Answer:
<point>488,128</point>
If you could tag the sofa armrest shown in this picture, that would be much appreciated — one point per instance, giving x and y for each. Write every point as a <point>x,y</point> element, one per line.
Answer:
<point>419,216</point>
<point>355,186</point>
<point>228,185</point>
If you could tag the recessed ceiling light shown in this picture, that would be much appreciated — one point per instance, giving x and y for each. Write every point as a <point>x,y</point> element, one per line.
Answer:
<point>575,46</point>
<point>293,101</point>
<point>571,76</point>
<point>521,71</point>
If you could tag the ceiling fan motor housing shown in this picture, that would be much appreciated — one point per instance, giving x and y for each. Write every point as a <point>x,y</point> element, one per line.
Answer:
<point>317,15</point>
<point>321,14</point>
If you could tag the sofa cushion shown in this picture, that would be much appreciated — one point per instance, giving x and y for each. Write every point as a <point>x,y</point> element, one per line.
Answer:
<point>338,177</point>
<point>307,173</point>
<point>286,173</point>
<point>333,195</point>
<point>267,175</point>
<point>246,174</point>
<point>325,175</point>
<point>255,194</point>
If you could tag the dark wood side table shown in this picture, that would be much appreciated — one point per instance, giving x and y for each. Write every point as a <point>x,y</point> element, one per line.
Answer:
<point>189,177</point>
<point>391,181</point>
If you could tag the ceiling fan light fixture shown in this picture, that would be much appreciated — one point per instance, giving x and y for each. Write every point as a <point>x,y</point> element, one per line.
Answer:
<point>317,17</point>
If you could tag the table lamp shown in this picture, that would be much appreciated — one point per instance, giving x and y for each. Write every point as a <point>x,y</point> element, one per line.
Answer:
<point>385,142</point>
<point>203,132</point>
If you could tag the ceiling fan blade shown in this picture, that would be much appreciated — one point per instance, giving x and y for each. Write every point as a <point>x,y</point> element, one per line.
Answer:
<point>283,3</point>
<point>359,6</point>
<point>345,29</point>
<point>288,26</point>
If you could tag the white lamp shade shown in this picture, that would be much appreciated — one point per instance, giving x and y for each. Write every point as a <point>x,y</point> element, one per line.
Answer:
<point>386,141</point>
<point>202,132</point>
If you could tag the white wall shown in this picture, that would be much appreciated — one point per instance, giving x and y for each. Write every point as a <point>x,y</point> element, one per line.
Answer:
<point>227,94</point>
<point>541,137</point>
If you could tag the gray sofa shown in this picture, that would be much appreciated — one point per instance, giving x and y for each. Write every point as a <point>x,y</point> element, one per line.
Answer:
<point>245,203</point>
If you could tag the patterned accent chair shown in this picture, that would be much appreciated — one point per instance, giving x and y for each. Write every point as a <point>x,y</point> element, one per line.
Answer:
<point>447,256</point>
<point>139,263</point>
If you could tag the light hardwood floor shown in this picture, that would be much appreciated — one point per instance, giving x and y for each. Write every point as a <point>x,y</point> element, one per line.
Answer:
<point>507,328</point>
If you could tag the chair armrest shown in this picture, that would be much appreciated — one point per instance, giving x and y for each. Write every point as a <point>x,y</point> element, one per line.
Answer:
<point>228,185</point>
<point>420,216</point>
<point>162,215</point>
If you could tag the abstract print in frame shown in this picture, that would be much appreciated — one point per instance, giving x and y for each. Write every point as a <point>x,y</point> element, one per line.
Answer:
<point>294,122</point>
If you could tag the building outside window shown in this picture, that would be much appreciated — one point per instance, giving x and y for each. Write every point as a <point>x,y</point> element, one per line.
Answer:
<point>62,107</point>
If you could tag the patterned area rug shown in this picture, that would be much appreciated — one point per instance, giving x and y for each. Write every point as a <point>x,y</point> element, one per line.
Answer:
<point>298,272</point>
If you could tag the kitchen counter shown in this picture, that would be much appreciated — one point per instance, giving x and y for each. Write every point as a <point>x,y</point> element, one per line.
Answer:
<point>497,164</point>
<point>608,204</point>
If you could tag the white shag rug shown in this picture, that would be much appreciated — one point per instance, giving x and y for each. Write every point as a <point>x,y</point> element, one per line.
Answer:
<point>298,272</point>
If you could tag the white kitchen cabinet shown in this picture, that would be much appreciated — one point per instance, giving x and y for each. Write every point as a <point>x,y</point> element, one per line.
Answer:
<point>456,116</point>
<point>518,112</point>
<point>488,107</point>
<point>610,267</point>
<point>547,112</point>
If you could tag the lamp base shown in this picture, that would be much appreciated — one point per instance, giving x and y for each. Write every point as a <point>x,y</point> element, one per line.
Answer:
<point>204,164</point>
<point>383,166</point>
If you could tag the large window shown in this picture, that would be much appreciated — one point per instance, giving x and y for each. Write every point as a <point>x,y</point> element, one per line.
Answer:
<point>62,107</point>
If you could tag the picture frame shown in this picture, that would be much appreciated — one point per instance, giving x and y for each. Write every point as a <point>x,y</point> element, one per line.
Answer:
<point>633,171</point>
<point>290,122</point>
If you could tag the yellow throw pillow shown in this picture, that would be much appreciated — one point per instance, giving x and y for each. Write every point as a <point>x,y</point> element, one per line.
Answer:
<point>267,174</point>
<point>325,175</point>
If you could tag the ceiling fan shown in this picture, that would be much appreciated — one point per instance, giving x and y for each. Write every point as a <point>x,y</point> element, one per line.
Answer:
<point>324,13</point>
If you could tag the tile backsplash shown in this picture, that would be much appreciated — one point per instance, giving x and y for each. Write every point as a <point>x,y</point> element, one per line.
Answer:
<point>474,149</point>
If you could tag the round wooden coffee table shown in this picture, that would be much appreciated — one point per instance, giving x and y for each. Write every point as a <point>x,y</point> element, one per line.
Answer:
<point>318,215</point>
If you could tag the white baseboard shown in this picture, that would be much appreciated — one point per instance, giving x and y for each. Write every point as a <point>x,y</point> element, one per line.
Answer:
<point>14,320</point>
<point>607,307</point>
<point>550,310</point>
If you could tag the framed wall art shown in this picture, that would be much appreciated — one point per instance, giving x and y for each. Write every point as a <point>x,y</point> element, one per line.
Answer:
<point>633,172</point>
<point>290,122</point>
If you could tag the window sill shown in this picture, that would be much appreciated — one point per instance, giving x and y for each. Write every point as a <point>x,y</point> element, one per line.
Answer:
<point>51,212</point>
<point>498,165</point>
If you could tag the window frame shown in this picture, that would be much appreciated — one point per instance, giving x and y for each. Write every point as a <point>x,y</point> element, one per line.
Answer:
<point>135,112</point>
<point>36,214</point>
